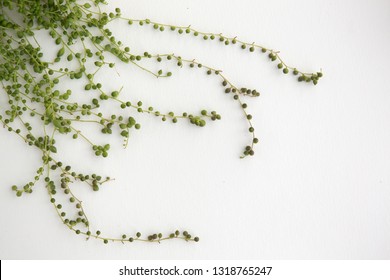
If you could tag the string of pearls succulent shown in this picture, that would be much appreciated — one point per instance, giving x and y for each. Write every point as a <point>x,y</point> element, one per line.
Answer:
<point>31,86</point>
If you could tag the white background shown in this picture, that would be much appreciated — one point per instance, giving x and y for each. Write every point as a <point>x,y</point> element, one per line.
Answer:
<point>319,185</point>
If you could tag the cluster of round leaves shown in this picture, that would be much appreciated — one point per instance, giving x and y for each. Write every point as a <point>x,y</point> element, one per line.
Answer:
<point>31,85</point>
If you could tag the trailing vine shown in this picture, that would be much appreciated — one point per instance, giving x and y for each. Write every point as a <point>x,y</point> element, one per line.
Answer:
<point>31,85</point>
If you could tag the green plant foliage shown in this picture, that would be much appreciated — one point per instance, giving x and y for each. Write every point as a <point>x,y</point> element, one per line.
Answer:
<point>33,90</point>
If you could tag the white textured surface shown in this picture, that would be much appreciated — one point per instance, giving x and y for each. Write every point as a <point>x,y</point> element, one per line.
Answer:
<point>319,186</point>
